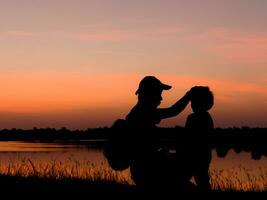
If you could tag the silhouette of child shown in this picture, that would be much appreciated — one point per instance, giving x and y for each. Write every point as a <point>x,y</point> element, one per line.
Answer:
<point>196,157</point>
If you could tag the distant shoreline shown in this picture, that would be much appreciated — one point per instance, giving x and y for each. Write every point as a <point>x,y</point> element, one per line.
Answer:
<point>252,140</point>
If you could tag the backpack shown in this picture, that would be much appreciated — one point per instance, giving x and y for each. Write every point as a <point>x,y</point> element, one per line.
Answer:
<point>117,151</point>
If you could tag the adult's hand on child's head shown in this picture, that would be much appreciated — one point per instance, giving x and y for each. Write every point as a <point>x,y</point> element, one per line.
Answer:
<point>189,93</point>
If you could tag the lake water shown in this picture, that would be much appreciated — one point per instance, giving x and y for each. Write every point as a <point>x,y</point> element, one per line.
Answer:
<point>85,161</point>
<point>10,151</point>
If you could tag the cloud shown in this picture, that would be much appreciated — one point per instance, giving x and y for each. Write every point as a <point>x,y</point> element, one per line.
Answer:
<point>103,37</point>
<point>232,46</point>
<point>20,33</point>
<point>100,34</point>
<point>167,31</point>
<point>57,90</point>
<point>229,95</point>
<point>44,90</point>
<point>101,98</point>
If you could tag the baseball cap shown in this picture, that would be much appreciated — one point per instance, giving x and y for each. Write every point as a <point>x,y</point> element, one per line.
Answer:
<point>151,83</point>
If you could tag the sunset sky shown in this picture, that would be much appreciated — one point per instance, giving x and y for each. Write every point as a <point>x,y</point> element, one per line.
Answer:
<point>78,63</point>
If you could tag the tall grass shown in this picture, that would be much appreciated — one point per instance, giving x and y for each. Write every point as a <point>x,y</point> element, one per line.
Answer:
<point>236,179</point>
<point>69,169</point>
<point>239,179</point>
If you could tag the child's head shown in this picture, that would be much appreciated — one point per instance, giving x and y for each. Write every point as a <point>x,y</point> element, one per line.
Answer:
<point>201,99</point>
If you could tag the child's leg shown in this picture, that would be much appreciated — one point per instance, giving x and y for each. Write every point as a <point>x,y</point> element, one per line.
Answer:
<point>184,173</point>
<point>201,172</point>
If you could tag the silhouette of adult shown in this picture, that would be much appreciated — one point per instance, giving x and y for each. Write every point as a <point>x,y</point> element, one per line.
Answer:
<point>147,166</point>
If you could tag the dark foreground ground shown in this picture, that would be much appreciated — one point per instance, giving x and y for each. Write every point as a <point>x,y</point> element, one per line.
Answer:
<point>37,188</point>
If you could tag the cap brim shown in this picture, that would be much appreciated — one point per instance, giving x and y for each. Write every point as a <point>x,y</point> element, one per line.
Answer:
<point>166,87</point>
<point>162,86</point>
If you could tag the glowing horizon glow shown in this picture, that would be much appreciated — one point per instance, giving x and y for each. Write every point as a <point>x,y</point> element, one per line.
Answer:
<point>78,63</point>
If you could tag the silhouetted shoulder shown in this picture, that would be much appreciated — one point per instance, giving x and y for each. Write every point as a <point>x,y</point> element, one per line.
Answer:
<point>140,117</point>
<point>199,121</point>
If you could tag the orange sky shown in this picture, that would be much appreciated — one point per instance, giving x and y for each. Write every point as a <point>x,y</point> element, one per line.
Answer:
<point>78,63</point>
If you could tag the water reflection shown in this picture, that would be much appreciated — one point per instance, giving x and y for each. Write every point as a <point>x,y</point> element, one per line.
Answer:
<point>58,160</point>
<point>18,146</point>
<point>233,159</point>
<point>12,150</point>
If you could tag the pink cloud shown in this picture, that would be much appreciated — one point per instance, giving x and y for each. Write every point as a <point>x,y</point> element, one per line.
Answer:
<point>233,46</point>
<point>114,35</point>
<point>20,34</point>
<point>169,30</point>
<point>103,37</point>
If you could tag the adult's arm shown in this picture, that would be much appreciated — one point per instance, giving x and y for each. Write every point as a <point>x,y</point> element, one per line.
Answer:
<point>175,109</point>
